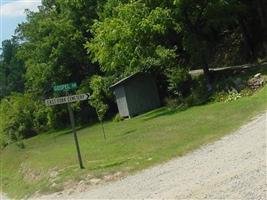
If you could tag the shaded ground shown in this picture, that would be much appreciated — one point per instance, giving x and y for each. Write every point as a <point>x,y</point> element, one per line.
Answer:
<point>231,168</point>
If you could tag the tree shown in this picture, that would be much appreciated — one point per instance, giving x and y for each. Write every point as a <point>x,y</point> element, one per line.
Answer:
<point>131,39</point>
<point>53,44</point>
<point>100,88</point>
<point>252,22</point>
<point>11,69</point>
<point>22,117</point>
<point>53,47</point>
<point>202,25</point>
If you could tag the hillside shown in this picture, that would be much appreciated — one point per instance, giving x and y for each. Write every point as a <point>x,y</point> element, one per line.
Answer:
<point>48,163</point>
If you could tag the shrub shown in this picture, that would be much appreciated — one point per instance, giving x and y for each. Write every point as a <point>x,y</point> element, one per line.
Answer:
<point>176,103</point>
<point>199,92</point>
<point>100,88</point>
<point>246,92</point>
<point>21,117</point>
<point>219,97</point>
<point>179,81</point>
<point>233,96</point>
<point>172,102</point>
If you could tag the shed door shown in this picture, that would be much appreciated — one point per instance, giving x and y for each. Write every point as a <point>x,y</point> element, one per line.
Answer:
<point>121,101</point>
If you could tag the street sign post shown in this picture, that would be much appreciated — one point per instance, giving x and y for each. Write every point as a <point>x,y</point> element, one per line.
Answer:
<point>72,121</point>
<point>67,100</point>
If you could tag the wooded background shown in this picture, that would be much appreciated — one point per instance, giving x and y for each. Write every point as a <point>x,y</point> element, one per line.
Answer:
<point>97,42</point>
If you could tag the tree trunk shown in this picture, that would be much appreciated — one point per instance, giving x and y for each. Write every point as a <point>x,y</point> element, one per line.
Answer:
<point>247,38</point>
<point>207,75</point>
<point>103,130</point>
<point>262,12</point>
<point>261,7</point>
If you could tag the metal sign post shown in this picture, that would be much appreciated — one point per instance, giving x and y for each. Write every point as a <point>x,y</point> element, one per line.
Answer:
<point>67,100</point>
<point>75,136</point>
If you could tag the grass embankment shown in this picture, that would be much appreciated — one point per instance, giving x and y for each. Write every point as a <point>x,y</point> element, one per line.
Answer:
<point>131,145</point>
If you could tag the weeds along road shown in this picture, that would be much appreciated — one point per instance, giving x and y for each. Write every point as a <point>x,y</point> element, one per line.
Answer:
<point>231,168</point>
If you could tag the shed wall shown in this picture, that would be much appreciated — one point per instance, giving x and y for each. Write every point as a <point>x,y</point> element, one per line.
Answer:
<point>142,95</point>
<point>121,101</point>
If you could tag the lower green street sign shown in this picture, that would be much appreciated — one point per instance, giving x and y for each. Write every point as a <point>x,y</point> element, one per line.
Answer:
<point>65,87</point>
<point>67,99</point>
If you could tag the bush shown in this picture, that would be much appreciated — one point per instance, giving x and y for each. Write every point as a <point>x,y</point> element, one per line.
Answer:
<point>179,81</point>
<point>172,103</point>
<point>22,117</point>
<point>219,97</point>
<point>233,96</point>
<point>100,88</point>
<point>246,92</point>
<point>176,103</point>
<point>196,94</point>
<point>199,93</point>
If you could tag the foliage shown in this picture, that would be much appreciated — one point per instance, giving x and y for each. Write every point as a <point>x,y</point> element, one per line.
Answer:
<point>77,41</point>
<point>179,81</point>
<point>232,95</point>
<point>100,88</point>
<point>201,23</point>
<point>11,69</point>
<point>130,40</point>
<point>219,96</point>
<point>177,104</point>
<point>246,92</point>
<point>22,117</point>
<point>53,49</point>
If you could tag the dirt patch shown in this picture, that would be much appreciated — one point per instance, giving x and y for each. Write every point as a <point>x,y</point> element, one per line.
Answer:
<point>88,183</point>
<point>29,175</point>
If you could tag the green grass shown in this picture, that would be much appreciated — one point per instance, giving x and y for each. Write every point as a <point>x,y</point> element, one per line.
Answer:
<point>131,145</point>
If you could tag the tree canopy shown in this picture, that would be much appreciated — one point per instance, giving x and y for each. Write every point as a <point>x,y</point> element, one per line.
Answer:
<point>97,42</point>
<point>132,40</point>
<point>11,69</point>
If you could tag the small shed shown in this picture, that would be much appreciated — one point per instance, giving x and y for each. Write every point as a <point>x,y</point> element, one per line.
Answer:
<point>136,94</point>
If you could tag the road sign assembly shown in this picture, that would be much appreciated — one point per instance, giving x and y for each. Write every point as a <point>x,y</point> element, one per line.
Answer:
<point>67,100</point>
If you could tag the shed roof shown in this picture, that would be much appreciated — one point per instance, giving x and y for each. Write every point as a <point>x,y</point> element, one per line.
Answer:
<point>126,79</point>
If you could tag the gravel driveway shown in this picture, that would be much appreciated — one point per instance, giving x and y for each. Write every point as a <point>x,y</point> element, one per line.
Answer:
<point>231,168</point>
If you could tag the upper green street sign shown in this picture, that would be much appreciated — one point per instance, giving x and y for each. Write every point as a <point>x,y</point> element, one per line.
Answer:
<point>65,87</point>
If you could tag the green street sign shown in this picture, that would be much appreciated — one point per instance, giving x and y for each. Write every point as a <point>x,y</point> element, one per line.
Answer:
<point>65,87</point>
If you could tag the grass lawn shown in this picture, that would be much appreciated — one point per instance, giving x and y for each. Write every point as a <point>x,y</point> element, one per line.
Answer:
<point>131,145</point>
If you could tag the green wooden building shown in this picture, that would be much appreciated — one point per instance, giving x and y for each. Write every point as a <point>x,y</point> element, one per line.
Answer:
<point>136,94</point>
